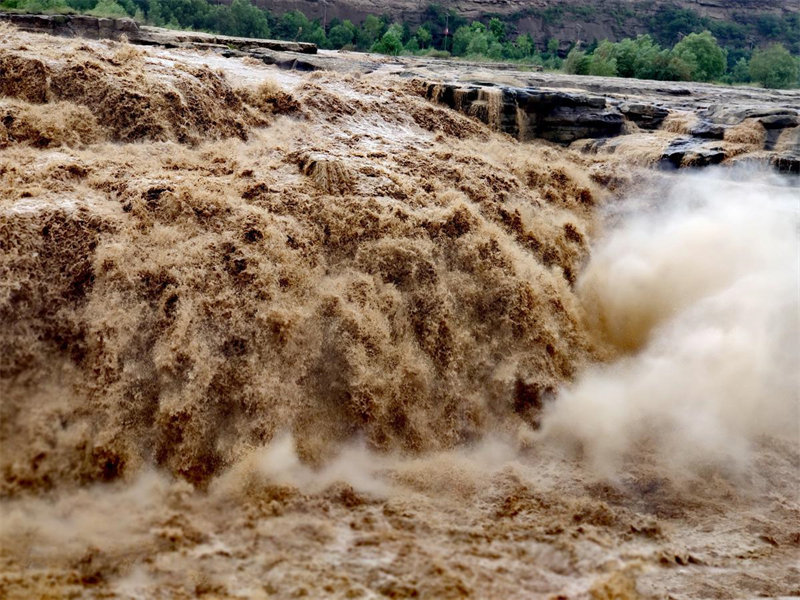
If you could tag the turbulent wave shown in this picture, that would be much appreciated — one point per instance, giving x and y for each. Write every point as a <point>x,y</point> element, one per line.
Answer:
<point>181,304</point>
<point>275,334</point>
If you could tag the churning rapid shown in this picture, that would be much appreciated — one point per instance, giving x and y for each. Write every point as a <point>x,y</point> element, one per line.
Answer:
<point>267,334</point>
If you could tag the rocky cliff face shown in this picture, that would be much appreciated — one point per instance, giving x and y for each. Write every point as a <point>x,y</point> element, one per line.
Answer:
<point>544,19</point>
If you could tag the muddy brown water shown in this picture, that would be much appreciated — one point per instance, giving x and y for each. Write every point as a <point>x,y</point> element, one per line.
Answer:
<point>278,335</point>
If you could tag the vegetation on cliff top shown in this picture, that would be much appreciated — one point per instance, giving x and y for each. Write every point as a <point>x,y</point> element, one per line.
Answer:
<point>681,45</point>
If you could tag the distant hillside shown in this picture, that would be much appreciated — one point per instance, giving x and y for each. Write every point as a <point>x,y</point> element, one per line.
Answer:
<point>744,22</point>
<point>696,40</point>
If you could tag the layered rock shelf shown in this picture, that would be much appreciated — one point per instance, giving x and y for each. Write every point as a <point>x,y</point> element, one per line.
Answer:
<point>601,123</point>
<point>96,28</point>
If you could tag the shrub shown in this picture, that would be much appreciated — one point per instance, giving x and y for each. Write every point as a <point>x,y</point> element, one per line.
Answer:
<point>424,37</point>
<point>700,51</point>
<point>670,67</point>
<point>774,67</point>
<point>249,20</point>
<point>497,29</point>
<point>577,62</point>
<point>391,42</point>
<point>341,35</point>
<point>371,30</point>
<point>42,6</point>
<point>603,61</point>
<point>636,58</point>
<point>741,71</point>
<point>433,53</point>
<point>109,9</point>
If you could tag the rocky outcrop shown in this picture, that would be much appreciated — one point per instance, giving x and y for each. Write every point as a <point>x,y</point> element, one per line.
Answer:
<point>168,37</point>
<point>96,28</point>
<point>84,26</point>
<point>568,117</point>
<point>526,114</point>
<point>688,152</point>
<point>646,116</point>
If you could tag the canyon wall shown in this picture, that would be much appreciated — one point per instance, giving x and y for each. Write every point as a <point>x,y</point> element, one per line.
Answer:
<point>544,19</point>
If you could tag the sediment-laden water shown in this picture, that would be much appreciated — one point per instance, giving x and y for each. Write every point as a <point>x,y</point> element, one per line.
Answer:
<point>272,335</point>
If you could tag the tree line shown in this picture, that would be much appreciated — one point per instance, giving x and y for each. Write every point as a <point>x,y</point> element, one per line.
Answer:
<point>697,56</point>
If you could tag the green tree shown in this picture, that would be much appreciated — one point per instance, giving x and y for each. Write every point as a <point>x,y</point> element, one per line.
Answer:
<point>626,52</point>
<point>461,39</point>
<point>221,20</point>
<point>701,52</point>
<point>524,45</point>
<point>497,29</point>
<point>769,25</point>
<point>407,34</point>
<point>371,31</point>
<point>315,34</point>
<point>635,58</point>
<point>577,62</point>
<point>292,25</point>
<point>342,35</point>
<point>424,36</point>
<point>154,14</point>
<point>391,42</point>
<point>670,23</point>
<point>741,71</point>
<point>774,67</point>
<point>81,6</point>
<point>669,67</point>
<point>38,6</point>
<point>193,14</point>
<point>603,61</point>
<point>495,51</point>
<point>476,40</point>
<point>109,9</point>
<point>249,20</point>
<point>478,45</point>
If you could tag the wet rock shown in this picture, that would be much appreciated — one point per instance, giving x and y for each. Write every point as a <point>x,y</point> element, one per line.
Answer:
<point>706,130</point>
<point>646,116</point>
<point>787,163</point>
<point>565,117</point>
<point>544,99</point>
<point>566,124</point>
<point>732,114</point>
<point>529,113</point>
<point>74,25</point>
<point>99,28</point>
<point>789,140</point>
<point>164,37</point>
<point>688,152</point>
<point>780,121</point>
<point>674,91</point>
<point>287,61</point>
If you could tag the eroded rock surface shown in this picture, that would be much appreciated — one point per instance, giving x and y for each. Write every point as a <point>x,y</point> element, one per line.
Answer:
<point>704,128</point>
<point>97,28</point>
